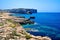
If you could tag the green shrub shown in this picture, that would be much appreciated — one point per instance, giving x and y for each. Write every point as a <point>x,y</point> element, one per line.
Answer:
<point>28,36</point>
<point>1,24</point>
<point>9,20</point>
<point>15,34</point>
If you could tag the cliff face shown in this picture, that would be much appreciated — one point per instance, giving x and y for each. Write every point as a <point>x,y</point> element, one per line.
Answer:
<point>10,30</point>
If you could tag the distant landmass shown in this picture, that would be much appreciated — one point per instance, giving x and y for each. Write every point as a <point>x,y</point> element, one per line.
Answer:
<point>19,10</point>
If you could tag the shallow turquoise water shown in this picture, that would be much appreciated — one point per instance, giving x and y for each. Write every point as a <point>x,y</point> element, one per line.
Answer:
<point>40,30</point>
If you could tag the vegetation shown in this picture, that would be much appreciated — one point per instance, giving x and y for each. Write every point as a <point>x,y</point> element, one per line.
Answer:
<point>27,36</point>
<point>9,20</point>
<point>13,26</point>
<point>15,34</point>
<point>1,24</point>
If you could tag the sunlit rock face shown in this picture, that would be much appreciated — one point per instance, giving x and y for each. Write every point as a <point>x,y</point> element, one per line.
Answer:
<point>10,30</point>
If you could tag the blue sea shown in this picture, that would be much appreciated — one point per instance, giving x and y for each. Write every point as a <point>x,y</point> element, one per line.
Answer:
<point>46,24</point>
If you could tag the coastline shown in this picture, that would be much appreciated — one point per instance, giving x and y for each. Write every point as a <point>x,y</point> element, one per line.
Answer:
<point>11,30</point>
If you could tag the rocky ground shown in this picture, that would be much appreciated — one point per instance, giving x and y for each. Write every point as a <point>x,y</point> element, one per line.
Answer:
<point>11,30</point>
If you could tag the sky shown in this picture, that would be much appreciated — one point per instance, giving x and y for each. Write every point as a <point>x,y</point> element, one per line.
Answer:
<point>40,5</point>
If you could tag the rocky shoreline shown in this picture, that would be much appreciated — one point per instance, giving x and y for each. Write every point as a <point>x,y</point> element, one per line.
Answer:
<point>11,30</point>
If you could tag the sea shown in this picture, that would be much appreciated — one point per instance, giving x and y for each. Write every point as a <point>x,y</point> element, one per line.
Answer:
<point>46,24</point>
